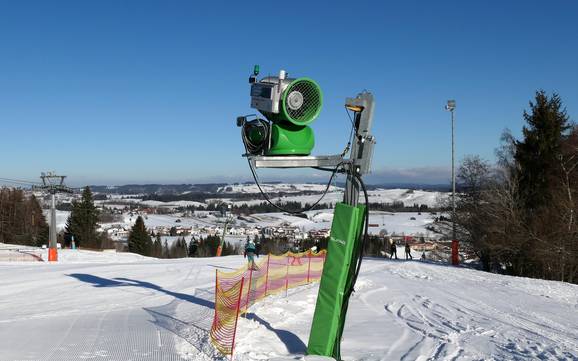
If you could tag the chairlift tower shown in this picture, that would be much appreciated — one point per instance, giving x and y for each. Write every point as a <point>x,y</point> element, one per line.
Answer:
<point>228,219</point>
<point>52,184</point>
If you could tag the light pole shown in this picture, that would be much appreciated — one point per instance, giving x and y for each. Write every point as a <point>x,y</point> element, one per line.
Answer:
<point>451,106</point>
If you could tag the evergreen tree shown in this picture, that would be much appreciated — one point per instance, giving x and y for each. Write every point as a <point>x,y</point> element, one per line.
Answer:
<point>183,250</point>
<point>83,220</point>
<point>157,247</point>
<point>178,248</point>
<point>193,246</point>
<point>139,240</point>
<point>21,219</point>
<point>166,252</point>
<point>537,155</point>
<point>38,226</point>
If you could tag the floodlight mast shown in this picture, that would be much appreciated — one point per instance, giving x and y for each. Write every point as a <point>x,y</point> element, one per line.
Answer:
<point>52,184</point>
<point>450,107</point>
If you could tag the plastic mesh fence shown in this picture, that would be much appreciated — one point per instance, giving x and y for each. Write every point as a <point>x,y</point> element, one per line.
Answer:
<point>236,291</point>
<point>226,315</point>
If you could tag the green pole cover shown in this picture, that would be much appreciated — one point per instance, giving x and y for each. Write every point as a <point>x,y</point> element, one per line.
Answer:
<point>338,271</point>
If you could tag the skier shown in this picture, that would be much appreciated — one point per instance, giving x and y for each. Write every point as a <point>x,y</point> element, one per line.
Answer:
<point>407,251</point>
<point>250,254</point>
<point>392,249</point>
<point>257,249</point>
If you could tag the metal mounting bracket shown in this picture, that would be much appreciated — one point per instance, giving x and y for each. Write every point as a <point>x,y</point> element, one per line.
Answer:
<point>295,161</point>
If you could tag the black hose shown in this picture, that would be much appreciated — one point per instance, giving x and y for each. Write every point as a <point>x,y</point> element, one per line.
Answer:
<point>264,194</point>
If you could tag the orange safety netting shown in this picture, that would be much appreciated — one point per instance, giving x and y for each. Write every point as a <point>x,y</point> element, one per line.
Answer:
<point>226,314</point>
<point>236,291</point>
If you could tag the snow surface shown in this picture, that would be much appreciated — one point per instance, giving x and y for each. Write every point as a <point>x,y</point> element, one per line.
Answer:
<point>334,195</point>
<point>407,223</point>
<point>276,188</point>
<point>109,306</point>
<point>408,197</point>
<point>394,223</point>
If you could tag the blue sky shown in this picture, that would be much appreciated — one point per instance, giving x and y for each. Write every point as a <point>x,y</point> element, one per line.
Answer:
<point>147,91</point>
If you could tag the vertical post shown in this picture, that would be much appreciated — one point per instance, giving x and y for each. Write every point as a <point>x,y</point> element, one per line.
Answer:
<point>53,184</point>
<point>52,245</point>
<point>309,265</point>
<point>237,317</point>
<point>248,288</point>
<point>455,253</point>
<point>286,274</point>
<point>453,182</point>
<point>451,106</point>
<point>215,317</point>
<point>455,243</point>
<point>267,274</point>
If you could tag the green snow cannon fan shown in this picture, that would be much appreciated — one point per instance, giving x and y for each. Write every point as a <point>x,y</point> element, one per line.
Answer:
<point>289,105</point>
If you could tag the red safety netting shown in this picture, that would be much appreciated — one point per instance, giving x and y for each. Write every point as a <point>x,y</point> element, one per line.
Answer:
<point>236,291</point>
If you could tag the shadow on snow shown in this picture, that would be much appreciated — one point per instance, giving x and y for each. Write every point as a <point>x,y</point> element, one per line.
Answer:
<point>291,341</point>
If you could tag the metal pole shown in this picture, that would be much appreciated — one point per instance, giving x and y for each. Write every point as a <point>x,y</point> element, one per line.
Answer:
<point>53,184</point>
<point>52,243</point>
<point>453,182</point>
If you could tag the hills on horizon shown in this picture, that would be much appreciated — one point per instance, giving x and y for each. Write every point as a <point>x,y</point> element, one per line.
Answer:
<point>155,188</point>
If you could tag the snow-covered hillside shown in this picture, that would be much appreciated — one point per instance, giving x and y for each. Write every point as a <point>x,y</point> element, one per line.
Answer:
<point>252,188</point>
<point>108,306</point>
<point>403,223</point>
<point>304,193</point>
<point>407,196</point>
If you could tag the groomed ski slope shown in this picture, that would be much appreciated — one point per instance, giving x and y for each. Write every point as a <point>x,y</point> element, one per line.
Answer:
<point>108,306</point>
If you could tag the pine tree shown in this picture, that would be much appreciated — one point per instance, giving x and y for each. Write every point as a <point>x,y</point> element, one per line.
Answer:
<point>193,246</point>
<point>157,247</point>
<point>166,251</point>
<point>139,240</point>
<point>38,225</point>
<point>21,219</point>
<point>537,154</point>
<point>83,220</point>
<point>183,250</point>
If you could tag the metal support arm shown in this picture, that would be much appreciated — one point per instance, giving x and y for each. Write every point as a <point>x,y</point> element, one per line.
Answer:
<point>319,161</point>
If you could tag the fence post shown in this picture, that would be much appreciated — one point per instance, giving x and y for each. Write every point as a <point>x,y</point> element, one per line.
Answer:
<point>267,274</point>
<point>309,265</point>
<point>248,289</point>
<point>286,274</point>
<point>215,317</point>
<point>237,317</point>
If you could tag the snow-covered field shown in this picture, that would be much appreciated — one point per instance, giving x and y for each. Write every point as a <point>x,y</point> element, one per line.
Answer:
<point>276,188</point>
<point>398,223</point>
<point>334,195</point>
<point>109,306</point>
<point>407,223</point>
<point>408,197</point>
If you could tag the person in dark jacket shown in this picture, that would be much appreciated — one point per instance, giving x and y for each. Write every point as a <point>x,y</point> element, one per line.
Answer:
<point>408,251</point>
<point>392,250</point>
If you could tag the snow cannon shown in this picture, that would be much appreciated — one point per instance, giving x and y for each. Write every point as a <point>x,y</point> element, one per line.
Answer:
<point>289,105</point>
<point>280,138</point>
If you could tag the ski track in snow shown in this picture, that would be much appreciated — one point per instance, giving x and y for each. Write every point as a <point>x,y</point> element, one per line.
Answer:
<point>447,329</point>
<point>134,308</point>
